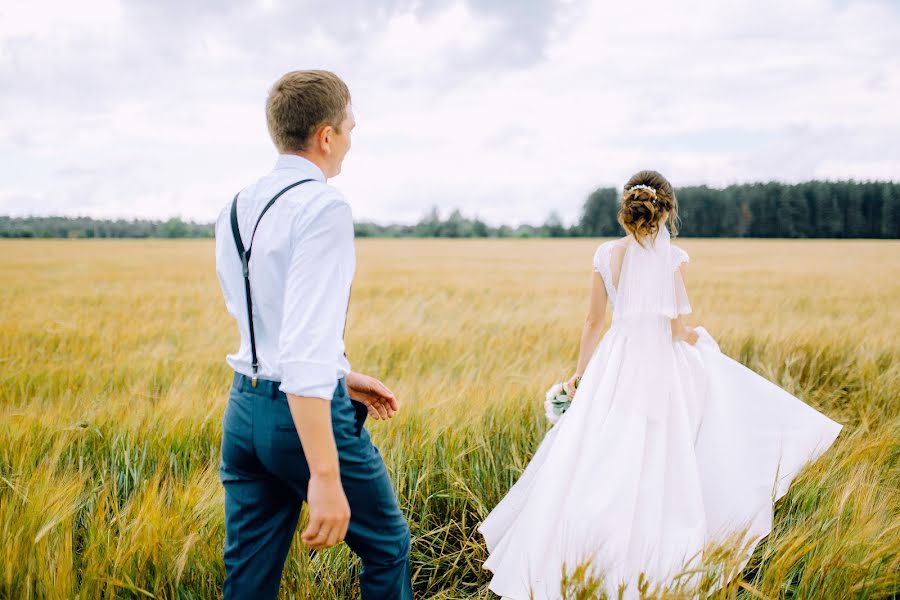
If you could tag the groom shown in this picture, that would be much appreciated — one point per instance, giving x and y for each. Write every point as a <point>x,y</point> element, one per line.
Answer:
<point>293,426</point>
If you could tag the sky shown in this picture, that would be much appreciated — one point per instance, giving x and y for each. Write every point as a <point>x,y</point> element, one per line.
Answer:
<point>507,110</point>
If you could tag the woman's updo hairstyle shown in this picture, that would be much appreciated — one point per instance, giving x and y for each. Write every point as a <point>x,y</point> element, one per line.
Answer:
<point>647,197</point>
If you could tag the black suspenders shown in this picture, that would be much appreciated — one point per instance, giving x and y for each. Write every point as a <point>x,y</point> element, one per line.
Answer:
<point>245,264</point>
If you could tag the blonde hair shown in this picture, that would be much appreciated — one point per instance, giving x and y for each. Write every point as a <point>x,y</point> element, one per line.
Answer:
<point>646,197</point>
<point>300,102</point>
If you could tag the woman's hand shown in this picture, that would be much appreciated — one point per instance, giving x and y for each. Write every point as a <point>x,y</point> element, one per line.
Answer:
<point>571,385</point>
<point>692,336</point>
<point>683,333</point>
<point>689,335</point>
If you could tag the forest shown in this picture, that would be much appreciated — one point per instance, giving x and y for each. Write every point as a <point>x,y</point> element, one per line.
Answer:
<point>815,209</point>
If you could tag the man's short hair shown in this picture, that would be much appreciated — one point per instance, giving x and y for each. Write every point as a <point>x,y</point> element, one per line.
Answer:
<point>300,102</point>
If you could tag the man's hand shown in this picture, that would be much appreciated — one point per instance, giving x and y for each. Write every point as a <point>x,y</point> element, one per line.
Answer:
<point>329,512</point>
<point>375,395</point>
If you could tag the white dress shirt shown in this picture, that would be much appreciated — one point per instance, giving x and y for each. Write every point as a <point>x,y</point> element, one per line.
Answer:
<point>301,267</point>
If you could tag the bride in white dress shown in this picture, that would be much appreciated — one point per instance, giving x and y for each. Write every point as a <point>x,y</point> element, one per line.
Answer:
<point>669,446</point>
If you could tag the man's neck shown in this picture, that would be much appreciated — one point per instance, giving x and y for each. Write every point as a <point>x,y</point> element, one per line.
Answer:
<point>315,159</point>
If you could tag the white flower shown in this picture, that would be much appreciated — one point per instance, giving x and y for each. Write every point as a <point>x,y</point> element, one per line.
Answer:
<point>554,391</point>
<point>550,412</point>
<point>556,402</point>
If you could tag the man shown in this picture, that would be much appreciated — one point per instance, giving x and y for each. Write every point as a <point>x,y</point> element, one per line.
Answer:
<point>291,431</point>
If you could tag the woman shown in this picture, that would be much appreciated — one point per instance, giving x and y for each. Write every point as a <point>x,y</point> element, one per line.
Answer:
<point>669,447</point>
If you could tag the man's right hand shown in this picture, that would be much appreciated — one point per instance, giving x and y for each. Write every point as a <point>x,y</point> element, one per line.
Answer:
<point>329,512</point>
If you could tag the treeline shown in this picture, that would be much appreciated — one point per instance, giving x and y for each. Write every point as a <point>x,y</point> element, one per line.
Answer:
<point>85,227</point>
<point>817,209</point>
<point>458,226</point>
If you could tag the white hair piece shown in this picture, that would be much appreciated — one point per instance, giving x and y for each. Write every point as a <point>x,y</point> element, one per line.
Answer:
<point>641,186</point>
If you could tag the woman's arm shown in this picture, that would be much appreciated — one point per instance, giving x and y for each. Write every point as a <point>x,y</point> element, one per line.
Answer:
<point>590,333</point>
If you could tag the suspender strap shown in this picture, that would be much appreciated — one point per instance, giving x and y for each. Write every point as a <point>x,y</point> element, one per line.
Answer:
<point>245,264</point>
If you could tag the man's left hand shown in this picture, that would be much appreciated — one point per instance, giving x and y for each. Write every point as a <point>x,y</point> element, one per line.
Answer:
<point>375,395</point>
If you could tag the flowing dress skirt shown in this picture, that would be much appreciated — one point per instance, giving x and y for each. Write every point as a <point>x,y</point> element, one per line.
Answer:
<point>667,447</point>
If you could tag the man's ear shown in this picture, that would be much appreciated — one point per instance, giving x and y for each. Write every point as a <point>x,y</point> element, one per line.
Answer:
<point>323,137</point>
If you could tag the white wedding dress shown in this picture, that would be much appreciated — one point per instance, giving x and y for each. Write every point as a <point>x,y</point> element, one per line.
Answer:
<point>667,447</point>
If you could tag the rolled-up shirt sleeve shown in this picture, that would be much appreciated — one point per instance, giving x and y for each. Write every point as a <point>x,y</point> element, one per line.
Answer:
<point>317,289</point>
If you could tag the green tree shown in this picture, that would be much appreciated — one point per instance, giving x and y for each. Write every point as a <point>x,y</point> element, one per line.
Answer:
<point>598,217</point>
<point>174,228</point>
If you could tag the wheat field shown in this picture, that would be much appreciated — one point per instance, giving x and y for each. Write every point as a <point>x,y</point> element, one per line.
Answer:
<point>113,384</point>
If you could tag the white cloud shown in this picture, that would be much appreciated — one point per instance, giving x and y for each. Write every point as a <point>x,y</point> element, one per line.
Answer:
<point>153,109</point>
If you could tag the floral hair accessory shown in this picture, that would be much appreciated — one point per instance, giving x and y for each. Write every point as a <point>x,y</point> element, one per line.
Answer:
<point>641,186</point>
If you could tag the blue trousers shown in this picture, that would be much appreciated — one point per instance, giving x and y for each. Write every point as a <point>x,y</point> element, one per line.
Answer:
<point>265,476</point>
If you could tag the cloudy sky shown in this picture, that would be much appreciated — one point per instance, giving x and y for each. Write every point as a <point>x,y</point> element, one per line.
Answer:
<point>505,109</point>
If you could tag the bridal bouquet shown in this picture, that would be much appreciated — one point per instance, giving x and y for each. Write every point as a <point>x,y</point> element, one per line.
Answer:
<point>557,402</point>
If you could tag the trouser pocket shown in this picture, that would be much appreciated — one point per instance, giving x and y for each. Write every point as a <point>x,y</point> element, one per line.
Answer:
<point>347,415</point>
<point>360,412</point>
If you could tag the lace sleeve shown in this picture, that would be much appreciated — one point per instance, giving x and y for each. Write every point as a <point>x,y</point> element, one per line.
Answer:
<point>682,304</point>
<point>603,266</point>
<point>679,256</point>
<point>601,260</point>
